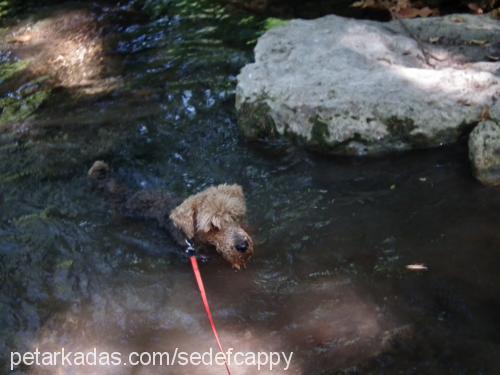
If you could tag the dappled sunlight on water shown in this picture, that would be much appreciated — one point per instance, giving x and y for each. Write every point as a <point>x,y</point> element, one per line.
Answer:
<point>321,317</point>
<point>67,46</point>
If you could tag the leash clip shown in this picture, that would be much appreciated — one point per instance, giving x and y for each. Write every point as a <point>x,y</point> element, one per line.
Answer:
<point>190,250</point>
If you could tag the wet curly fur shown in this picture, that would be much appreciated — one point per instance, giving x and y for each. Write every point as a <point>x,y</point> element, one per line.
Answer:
<point>212,217</point>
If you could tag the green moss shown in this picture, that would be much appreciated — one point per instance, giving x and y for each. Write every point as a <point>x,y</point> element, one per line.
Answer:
<point>4,8</point>
<point>266,25</point>
<point>399,127</point>
<point>7,71</point>
<point>194,9</point>
<point>255,121</point>
<point>319,134</point>
<point>5,179</point>
<point>245,21</point>
<point>65,264</point>
<point>18,109</point>
<point>271,23</point>
<point>30,218</point>
<point>321,141</point>
<point>19,105</point>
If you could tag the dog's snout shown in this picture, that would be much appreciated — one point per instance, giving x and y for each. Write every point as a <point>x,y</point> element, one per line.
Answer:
<point>242,246</point>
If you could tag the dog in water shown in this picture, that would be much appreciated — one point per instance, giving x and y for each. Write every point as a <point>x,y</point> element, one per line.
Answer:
<point>212,217</point>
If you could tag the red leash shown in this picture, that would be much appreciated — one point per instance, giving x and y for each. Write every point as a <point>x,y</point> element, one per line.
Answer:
<point>199,281</point>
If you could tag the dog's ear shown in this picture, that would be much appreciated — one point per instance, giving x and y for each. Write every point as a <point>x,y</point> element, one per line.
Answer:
<point>221,205</point>
<point>183,217</point>
<point>235,202</point>
<point>214,207</point>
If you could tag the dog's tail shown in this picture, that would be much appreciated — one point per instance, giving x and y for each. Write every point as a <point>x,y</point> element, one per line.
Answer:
<point>101,179</point>
<point>99,171</point>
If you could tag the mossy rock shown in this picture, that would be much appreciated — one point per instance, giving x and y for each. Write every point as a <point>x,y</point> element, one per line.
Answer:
<point>255,121</point>
<point>19,109</point>
<point>9,70</point>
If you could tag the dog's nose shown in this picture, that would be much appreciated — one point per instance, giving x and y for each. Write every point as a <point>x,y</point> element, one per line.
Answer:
<point>242,246</point>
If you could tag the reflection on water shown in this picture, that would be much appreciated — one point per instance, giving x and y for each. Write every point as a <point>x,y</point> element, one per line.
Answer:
<point>333,235</point>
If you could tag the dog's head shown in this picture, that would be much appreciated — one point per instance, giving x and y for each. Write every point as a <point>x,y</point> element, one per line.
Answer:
<point>214,216</point>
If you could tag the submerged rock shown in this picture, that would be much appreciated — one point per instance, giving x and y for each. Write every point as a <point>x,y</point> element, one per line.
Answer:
<point>484,149</point>
<point>353,87</point>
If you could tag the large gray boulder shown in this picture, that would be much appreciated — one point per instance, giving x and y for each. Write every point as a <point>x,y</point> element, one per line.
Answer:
<point>355,87</point>
<point>484,149</point>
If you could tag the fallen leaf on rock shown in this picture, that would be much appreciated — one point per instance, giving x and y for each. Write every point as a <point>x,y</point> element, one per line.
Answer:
<point>476,42</point>
<point>363,4</point>
<point>398,8</point>
<point>415,12</point>
<point>475,8</point>
<point>485,114</point>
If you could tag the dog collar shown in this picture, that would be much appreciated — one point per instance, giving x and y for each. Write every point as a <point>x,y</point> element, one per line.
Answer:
<point>190,250</point>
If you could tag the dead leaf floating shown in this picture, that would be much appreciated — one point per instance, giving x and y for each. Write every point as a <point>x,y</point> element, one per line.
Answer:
<point>416,267</point>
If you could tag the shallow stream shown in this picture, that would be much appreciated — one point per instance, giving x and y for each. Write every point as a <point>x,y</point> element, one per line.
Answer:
<point>333,235</point>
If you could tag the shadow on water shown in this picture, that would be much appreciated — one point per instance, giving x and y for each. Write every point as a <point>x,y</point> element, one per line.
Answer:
<point>333,235</point>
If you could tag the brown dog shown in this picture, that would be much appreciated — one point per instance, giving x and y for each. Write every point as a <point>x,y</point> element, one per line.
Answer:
<point>212,217</point>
